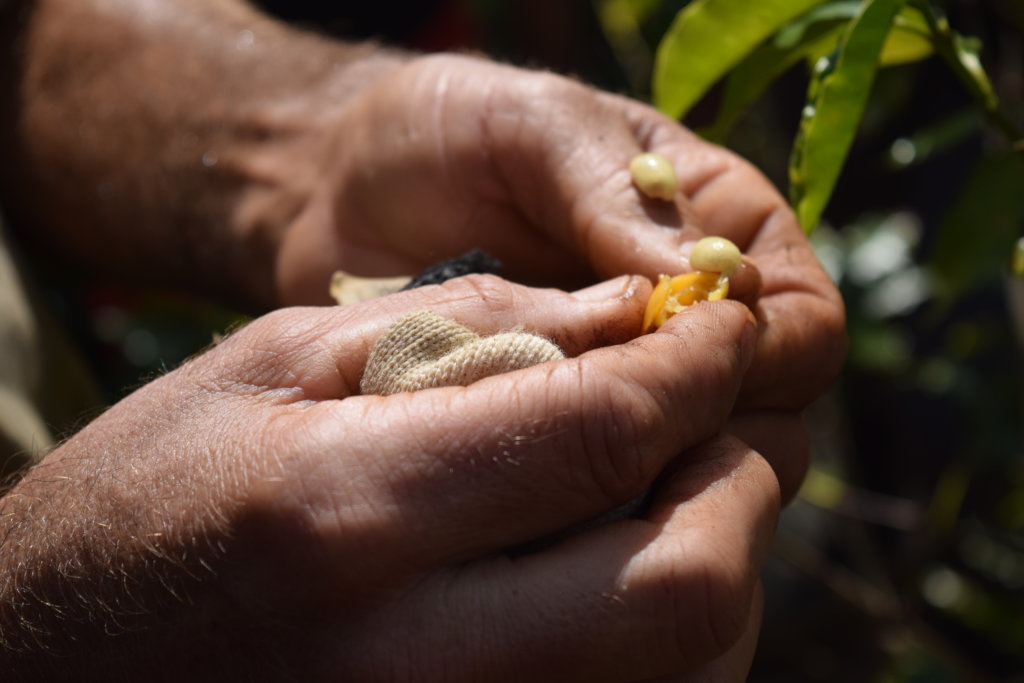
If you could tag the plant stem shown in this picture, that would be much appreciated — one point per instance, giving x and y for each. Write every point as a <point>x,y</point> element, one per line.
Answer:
<point>948,45</point>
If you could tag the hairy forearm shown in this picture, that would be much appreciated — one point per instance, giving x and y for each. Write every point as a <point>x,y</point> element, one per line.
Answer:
<point>98,583</point>
<point>85,596</point>
<point>174,140</point>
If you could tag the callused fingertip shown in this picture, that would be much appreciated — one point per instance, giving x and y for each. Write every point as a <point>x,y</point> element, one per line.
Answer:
<point>751,329</point>
<point>637,288</point>
<point>746,283</point>
<point>654,176</point>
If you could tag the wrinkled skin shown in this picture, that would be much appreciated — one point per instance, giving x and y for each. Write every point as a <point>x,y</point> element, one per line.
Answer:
<point>248,516</point>
<point>369,535</point>
<point>534,168</point>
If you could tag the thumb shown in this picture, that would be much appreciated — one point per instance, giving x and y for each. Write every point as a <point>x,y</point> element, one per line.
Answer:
<point>323,351</point>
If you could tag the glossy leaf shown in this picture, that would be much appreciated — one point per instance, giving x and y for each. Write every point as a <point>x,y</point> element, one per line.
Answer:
<point>962,54</point>
<point>758,71</point>
<point>810,37</point>
<point>909,38</point>
<point>839,91</point>
<point>707,39</point>
<point>967,54</point>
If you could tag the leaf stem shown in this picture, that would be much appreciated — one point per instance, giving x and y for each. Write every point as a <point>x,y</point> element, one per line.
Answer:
<point>949,45</point>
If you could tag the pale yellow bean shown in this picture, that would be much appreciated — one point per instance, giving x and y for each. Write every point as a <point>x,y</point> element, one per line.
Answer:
<point>715,254</point>
<point>654,176</point>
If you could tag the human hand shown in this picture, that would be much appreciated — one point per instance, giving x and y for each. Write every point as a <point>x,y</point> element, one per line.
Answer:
<point>277,158</point>
<point>450,153</point>
<point>247,516</point>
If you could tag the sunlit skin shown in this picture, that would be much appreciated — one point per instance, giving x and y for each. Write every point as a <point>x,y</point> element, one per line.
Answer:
<point>715,260</point>
<point>249,516</point>
<point>654,176</point>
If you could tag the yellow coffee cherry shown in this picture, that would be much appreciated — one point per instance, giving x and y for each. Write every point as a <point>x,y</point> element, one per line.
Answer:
<point>714,258</point>
<point>654,176</point>
<point>716,254</point>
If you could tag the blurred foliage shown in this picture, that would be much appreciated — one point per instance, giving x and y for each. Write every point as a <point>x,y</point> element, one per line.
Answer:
<point>903,557</point>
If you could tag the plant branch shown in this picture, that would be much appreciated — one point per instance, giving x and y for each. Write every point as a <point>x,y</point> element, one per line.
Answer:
<point>949,45</point>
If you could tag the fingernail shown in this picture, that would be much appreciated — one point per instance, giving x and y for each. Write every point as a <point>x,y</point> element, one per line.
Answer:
<point>609,289</point>
<point>684,250</point>
<point>749,339</point>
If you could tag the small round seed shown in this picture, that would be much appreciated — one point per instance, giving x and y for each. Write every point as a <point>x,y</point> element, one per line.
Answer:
<point>654,176</point>
<point>715,254</point>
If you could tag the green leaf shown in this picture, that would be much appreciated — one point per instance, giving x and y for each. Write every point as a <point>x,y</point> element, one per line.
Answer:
<point>910,39</point>
<point>962,54</point>
<point>770,61</point>
<point>967,51</point>
<point>707,39</point>
<point>810,37</point>
<point>795,32</point>
<point>838,93</point>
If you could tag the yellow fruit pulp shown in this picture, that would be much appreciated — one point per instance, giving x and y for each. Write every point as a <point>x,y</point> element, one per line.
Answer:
<point>673,294</point>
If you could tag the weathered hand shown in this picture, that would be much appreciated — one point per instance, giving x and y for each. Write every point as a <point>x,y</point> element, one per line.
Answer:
<point>449,153</point>
<point>246,515</point>
<point>271,160</point>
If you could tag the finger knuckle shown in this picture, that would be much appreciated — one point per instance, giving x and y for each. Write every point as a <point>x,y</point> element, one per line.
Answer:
<point>614,434</point>
<point>556,87</point>
<point>706,607</point>
<point>727,597</point>
<point>497,296</point>
<point>268,326</point>
<point>262,353</point>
